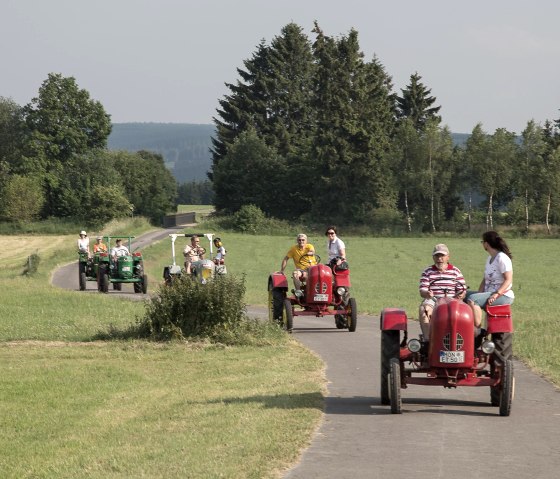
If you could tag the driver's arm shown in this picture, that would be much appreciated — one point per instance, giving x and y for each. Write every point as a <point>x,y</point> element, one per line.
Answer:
<point>284,263</point>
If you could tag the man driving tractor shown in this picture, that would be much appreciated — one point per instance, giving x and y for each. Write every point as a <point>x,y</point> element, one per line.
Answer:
<point>303,254</point>
<point>436,281</point>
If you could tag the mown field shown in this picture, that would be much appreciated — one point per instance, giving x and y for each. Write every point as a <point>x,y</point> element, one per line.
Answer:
<point>74,407</point>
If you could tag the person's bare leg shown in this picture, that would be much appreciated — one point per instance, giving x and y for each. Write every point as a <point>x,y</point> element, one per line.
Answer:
<point>477,314</point>
<point>424,315</point>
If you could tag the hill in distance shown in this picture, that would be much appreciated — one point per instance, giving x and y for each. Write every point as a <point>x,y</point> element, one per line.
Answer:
<point>185,147</point>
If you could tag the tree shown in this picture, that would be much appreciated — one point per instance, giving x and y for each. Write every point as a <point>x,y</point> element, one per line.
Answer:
<point>11,132</point>
<point>529,174</point>
<point>61,122</point>
<point>250,173</point>
<point>495,168</point>
<point>416,103</point>
<point>21,199</point>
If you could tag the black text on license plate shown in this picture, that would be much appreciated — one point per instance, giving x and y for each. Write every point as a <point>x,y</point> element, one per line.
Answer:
<point>452,356</point>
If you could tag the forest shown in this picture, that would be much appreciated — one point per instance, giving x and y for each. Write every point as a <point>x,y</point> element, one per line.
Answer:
<point>311,131</point>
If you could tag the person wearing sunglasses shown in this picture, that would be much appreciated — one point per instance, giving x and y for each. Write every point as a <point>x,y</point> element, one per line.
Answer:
<point>303,254</point>
<point>335,247</point>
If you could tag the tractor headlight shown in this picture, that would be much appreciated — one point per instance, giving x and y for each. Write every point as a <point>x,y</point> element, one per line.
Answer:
<point>488,347</point>
<point>414,345</point>
<point>341,290</point>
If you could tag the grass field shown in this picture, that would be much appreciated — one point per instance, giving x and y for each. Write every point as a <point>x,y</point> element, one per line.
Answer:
<point>74,407</point>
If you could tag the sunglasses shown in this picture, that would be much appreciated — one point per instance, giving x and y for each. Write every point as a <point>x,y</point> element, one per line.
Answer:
<point>330,232</point>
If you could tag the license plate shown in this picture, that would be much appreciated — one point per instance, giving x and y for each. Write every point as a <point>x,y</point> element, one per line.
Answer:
<point>321,297</point>
<point>126,268</point>
<point>452,356</point>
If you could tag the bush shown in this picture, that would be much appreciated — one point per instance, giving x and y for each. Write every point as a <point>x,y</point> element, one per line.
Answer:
<point>188,308</point>
<point>31,265</point>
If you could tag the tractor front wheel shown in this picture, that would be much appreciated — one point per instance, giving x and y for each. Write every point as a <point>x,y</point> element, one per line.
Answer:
<point>117,286</point>
<point>144,284</point>
<point>395,386</point>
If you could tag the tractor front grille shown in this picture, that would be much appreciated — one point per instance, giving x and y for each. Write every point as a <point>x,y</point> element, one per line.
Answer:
<point>458,339</point>
<point>320,288</point>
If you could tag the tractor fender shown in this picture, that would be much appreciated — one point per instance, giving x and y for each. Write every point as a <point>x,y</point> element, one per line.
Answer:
<point>499,319</point>
<point>278,280</point>
<point>393,319</point>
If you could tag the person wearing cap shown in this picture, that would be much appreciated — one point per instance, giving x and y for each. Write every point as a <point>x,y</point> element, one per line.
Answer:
<point>99,246</point>
<point>495,287</point>
<point>119,249</point>
<point>303,254</point>
<point>193,252</point>
<point>437,281</point>
<point>83,243</point>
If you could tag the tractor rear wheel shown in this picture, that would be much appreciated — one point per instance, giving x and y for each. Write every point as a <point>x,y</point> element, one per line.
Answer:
<point>144,284</point>
<point>105,283</point>
<point>507,388</point>
<point>395,386</point>
<point>276,297</point>
<point>390,348</point>
<point>83,281</point>
<point>352,315</point>
<point>288,316</point>
<point>504,351</point>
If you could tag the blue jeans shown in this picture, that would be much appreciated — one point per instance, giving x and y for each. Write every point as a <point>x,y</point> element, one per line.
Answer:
<point>482,298</point>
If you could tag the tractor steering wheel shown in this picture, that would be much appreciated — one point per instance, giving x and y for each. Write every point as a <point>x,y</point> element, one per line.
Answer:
<point>310,260</point>
<point>448,291</point>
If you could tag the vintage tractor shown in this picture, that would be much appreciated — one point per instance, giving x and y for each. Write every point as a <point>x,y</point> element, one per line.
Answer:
<point>202,270</point>
<point>326,293</point>
<point>128,268</point>
<point>452,357</point>
<point>88,269</point>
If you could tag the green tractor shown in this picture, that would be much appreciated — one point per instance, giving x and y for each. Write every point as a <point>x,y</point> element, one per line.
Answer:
<point>121,266</point>
<point>88,269</point>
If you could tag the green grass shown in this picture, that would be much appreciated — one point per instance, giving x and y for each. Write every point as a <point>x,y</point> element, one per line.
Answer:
<point>74,407</point>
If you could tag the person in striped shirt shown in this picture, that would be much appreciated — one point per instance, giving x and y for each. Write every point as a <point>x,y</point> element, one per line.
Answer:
<point>437,281</point>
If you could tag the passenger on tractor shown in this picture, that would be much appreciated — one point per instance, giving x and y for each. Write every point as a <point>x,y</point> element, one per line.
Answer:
<point>436,281</point>
<point>99,246</point>
<point>119,250</point>
<point>220,251</point>
<point>83,243</point>
<point>193,252</point>
<point>336,248</point>
<point>495,287</point>
<point>303,254</point>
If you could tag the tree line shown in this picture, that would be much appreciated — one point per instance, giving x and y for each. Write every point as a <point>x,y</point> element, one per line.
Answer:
<point>54,162</point>
<point>311,130</point>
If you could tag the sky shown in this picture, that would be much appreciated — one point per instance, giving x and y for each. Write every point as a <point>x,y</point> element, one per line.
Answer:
<point>495,62</point>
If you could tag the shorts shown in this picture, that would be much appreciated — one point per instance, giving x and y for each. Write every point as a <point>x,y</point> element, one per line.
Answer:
<point>431,302</point>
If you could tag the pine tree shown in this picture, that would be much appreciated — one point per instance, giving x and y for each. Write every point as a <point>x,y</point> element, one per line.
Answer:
<point>416,103</point>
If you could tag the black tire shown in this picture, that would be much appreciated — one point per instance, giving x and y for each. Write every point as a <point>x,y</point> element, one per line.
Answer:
<point>105,283</point>
<point>276,297</point>
<point>507,388</point>
<point>339,321</point>
<point>82,268</point>
<point>167,276</point>
<point>503,352</point>
<point>117,286</point>
<point>137,287</point>
<point>288,316</point>
<point>83,281</point>
<point>352,315</point>
<point>395,386</point>
<point>144,284</point>
<point>390,348</point>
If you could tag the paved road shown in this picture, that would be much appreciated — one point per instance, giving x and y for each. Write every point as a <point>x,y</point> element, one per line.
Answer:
<point>442,433</point>
<point>450,434</point>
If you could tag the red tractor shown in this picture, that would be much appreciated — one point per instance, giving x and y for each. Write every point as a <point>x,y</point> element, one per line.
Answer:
<point>326,293</point>
<point>452,357</point>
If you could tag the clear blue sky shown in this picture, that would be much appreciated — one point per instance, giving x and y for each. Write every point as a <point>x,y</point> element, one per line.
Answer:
<point>491,61</point>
